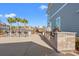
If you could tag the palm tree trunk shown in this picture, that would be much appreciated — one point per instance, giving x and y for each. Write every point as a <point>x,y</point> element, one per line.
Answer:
<point>10,29</point>
<point>25,28</point>
<point>18,29</point>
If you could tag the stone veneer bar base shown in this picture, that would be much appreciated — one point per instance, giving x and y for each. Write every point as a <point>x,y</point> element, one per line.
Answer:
<point>65,41</point>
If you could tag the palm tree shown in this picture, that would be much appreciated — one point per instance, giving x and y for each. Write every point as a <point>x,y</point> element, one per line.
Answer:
<point>11,20</point>
<point>24,21</point>
<point>18,21</point>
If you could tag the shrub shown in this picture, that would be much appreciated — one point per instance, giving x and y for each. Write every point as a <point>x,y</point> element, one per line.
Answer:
<point>77,44</point>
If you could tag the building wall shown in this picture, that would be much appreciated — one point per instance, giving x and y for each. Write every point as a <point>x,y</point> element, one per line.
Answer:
<point>69,17</point>
<point>52,8</point>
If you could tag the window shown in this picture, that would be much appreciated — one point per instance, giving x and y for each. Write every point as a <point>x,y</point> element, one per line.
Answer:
<point>56,23</point>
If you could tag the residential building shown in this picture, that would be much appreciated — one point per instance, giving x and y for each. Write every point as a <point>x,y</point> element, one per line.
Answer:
<point>64,16</point>
<point>4,27</point>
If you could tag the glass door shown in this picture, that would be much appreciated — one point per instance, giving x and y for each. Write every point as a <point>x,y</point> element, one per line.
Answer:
<point>58,23</point>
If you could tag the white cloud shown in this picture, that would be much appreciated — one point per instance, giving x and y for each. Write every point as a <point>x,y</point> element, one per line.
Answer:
<point>10,15</point>
<point>1,15</point>
<point>43,7</point>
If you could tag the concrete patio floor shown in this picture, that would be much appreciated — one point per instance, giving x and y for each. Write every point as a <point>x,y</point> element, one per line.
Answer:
<point>26,46</point>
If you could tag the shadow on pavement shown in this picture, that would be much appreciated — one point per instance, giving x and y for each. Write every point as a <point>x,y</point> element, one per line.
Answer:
<point>24,49</point>
<point>46,40</point>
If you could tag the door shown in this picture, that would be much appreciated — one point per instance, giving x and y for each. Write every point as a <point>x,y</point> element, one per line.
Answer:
<point>58,22</point>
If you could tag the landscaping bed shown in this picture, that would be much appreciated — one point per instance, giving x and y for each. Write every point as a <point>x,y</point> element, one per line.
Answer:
<point>77,45</point>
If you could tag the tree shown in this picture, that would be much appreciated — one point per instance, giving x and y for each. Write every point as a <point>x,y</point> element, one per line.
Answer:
<point>18,20</point>
<point>24,21</point>
<point>11,20</point>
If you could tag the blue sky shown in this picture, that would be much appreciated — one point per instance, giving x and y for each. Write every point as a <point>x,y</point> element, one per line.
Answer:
<point>35,13</point>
